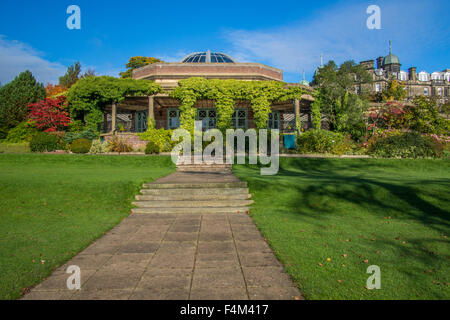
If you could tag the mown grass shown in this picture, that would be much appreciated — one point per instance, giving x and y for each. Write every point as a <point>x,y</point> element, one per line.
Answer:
<point>53,206</point>
<point>329,219</point>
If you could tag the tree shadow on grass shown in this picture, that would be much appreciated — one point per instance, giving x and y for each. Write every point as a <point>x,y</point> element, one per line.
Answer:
<point>312,188</point>
<point>357,182</point>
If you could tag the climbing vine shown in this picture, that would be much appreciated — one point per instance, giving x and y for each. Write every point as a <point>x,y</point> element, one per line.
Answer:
<point>88,97</point>
<point>316,115</point>
<point>225,93</point>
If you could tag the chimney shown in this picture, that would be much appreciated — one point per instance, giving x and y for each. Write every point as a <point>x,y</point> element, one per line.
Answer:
<point>368,64</point>
<point>380,62</point>
<point>412,74</point>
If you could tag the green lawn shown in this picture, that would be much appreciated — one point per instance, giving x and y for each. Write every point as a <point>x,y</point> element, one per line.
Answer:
<point>390,213</point>
<point>53,206</point>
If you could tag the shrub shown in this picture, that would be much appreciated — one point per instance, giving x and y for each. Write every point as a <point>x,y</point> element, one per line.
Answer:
<point>397,144</point>
<point>88,134</point>
<point>161,138</point>
<point>117,144</point>
<point>99,147</point>
<point>43,141</point>
<point>22,133</point>
<point>323,141</point>
<point>152,148</point>
<point>50,115</point>
<point>81,146</point>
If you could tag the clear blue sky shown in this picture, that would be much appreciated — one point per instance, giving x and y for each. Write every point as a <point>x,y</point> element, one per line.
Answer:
<point>289,35</point>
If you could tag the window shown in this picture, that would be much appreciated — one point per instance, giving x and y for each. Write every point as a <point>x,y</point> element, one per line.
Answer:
<point>358,89</point>
<point>173,118</point>
<point>425,91</point>
<point>439,91</point>
<point>274,120</point>
<point>207,117</point>
<point>239,119</point>
<point>140,124</point>
<point>377,87</point>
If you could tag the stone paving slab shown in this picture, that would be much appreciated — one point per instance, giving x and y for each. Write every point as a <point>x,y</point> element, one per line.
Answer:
<point>181,257</point>
<point>213,262</point>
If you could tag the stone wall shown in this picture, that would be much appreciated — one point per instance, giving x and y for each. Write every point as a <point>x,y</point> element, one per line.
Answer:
<point>131,138</point>
<point>243,71</point>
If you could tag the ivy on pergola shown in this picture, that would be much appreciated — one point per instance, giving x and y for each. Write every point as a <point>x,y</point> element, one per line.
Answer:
<point>89,96</point>
<point>261,94</point>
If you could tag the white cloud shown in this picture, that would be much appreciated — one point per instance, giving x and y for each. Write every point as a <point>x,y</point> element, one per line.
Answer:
<point>175,57</point>
<point>16,57</point>
<point>340,33</point>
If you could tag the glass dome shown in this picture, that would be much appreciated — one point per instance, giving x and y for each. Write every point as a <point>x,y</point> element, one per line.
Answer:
<point>207,57</point>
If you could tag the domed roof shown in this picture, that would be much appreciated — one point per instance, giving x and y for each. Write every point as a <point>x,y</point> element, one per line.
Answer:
<point>207,57</point>
<point>304,81</point>
<point>391,59</point>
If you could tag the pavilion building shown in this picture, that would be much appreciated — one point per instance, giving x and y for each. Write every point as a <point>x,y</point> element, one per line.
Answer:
<point>132,115</point>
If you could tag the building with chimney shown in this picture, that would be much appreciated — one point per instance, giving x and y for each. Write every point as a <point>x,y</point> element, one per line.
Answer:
<point>435,84</point>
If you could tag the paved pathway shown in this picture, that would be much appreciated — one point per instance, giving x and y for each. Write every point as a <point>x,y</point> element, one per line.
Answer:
<point>176,256</point>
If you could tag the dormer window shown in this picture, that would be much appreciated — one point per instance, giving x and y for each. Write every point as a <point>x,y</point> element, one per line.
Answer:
<point>423,76</point>
<point>435,76</point>
<point>403,76</point>
<point>447,76</point>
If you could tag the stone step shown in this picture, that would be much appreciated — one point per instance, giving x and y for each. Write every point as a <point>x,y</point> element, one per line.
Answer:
<point>206,185</point>
<point>211,210</point>
<point>203,169</point>
<point>204,164</point>
<point>186,196</point>
<point>193,204</point>
<point>194,192</point>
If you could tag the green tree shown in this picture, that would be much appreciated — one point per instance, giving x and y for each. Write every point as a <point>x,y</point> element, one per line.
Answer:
<point>71,77</point>
<point>137,62</point>
<point>15,98</point>
<point>339,100</point>
<point>424,117</point>
<point>395,91</point>
<point>88,73</point>
<point>445,109</point>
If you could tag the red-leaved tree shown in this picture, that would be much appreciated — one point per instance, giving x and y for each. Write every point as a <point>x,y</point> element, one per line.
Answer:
<point>50,115</point>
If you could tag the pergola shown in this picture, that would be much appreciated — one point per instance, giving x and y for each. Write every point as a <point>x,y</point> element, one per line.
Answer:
<point>136,110</point>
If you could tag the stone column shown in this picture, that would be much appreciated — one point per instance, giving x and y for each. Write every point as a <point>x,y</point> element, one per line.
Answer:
<point>297,114</point>
<point>113,116</point>
<point>151,109</point>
